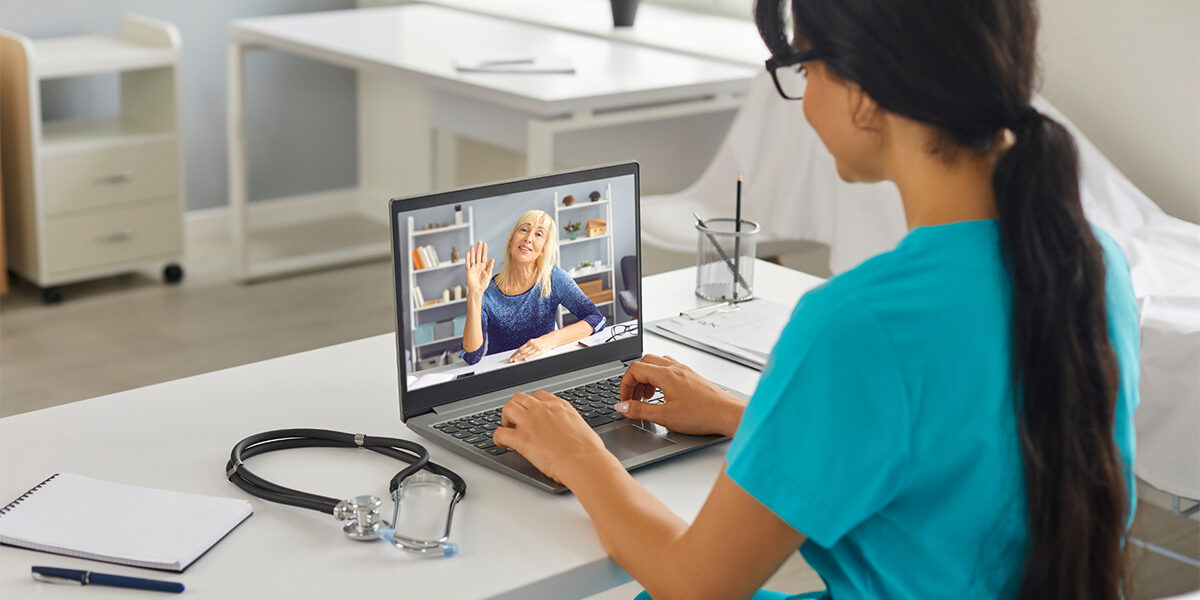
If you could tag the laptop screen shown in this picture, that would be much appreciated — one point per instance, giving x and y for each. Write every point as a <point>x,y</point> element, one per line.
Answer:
<point>561,294</point>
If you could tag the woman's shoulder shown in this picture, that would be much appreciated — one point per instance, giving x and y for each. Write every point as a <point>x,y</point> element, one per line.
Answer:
<point>832,307</point>
<point>560,278</point>
<point>492,293</point>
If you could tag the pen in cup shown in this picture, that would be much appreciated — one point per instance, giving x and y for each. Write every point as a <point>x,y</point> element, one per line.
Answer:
<point>77,577</point>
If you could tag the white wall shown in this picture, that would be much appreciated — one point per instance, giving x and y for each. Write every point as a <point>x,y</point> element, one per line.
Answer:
<point>1128,75</point>
<point>302,127</point>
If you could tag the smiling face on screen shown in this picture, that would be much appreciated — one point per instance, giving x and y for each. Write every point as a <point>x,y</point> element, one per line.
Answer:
<point>528,239</point>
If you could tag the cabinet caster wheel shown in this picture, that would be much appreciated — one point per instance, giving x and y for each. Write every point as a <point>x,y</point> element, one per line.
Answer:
<point>52,295</point>
<point>172,273</point>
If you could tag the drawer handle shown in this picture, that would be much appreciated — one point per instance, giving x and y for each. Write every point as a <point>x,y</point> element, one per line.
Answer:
<point>122,177</point>
<point>113,238</point>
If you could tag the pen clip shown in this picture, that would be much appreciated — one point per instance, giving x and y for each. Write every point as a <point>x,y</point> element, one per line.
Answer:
<point>52,579</point>
<point>684,313</point>
<point>721,307</point>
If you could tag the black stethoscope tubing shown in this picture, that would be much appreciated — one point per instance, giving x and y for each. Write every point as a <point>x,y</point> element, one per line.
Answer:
<point>412,453</point>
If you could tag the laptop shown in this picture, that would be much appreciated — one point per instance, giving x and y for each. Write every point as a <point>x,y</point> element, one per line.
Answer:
<point>454,398</point>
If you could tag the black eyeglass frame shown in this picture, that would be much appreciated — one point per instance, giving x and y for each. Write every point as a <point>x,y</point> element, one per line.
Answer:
<point>624,329</point>
<point>792,58</point>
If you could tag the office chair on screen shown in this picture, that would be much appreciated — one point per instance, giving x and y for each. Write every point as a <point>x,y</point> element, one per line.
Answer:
<point>629,278</point>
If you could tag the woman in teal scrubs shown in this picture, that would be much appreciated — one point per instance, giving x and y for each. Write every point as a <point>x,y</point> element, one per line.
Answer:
<point>950,419</point>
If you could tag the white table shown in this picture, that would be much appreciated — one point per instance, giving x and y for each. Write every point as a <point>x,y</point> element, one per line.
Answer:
<point>674,28</point>
<point>516,541</point>
<point>491,362</point>
<point>405,59</point>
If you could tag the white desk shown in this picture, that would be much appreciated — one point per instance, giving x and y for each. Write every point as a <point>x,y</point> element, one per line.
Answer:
<point>677,29</point>
<point>516,541</point>
<point>491,362</point>
<point>405,58</point>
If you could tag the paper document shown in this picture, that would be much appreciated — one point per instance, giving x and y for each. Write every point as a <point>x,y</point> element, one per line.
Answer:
<point>745,335</point>
<point>514,64</point>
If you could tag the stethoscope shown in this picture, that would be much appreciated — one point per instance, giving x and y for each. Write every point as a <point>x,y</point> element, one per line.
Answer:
<point>359,515</point>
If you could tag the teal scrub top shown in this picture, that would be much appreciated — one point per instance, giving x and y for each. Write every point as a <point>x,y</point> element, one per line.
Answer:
<point>883,428</point>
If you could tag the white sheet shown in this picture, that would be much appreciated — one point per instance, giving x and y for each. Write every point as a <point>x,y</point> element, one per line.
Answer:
<point>1164,262</point>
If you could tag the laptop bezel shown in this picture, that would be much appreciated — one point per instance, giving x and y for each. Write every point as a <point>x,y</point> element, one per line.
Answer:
<point>417,402</point>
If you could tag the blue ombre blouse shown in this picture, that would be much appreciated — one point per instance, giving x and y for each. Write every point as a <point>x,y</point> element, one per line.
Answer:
<point>510,321</point>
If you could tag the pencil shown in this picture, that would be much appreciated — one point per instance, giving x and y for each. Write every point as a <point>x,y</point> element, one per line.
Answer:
<point>737,240</point>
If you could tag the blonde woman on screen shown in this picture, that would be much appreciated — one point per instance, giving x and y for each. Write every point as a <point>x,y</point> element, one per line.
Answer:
<point>517,309</point>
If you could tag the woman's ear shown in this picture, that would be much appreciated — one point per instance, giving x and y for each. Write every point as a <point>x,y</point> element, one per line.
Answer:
<point>865,111</point>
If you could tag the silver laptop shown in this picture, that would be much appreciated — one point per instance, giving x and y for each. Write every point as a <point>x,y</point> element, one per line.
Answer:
<point>455,398</point>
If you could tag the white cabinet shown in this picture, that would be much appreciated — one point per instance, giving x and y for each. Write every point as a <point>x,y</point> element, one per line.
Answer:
<point>91,197</point>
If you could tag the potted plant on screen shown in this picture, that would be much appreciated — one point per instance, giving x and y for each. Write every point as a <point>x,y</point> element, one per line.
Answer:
<point>572,229</point>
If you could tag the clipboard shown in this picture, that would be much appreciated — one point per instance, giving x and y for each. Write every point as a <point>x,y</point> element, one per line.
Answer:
<point>745,334</point>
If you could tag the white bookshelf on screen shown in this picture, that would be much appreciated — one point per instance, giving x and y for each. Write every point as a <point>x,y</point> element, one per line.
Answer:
<point>91,197</point>
<point>582,210</point>
<point>443,239</point>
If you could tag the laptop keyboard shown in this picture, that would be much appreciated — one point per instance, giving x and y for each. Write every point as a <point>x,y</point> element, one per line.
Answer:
<point>594,401</point>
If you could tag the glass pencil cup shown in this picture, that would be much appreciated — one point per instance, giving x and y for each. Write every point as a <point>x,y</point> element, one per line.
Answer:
<point>724,257</point>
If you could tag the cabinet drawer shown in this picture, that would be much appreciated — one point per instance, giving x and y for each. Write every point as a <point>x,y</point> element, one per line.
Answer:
<point>114,235</point>
<point>111,176</point>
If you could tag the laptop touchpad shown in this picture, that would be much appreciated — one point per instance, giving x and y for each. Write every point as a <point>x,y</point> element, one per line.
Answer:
<point>630,441</point>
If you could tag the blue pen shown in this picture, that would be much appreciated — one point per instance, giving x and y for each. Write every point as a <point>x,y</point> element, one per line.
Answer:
<point>76,577</point>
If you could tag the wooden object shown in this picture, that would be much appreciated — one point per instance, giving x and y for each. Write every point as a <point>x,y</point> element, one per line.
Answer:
<point>87,198</point>
<point>3,256</point>
<point>591,286</point>
<point>596,227</point>
<point>601,297</point>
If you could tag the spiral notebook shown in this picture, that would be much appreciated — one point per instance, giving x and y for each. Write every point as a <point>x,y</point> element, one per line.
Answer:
<point>141,527</point>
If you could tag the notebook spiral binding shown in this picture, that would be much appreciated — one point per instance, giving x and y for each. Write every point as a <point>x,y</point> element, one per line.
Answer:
<point>35,488</point>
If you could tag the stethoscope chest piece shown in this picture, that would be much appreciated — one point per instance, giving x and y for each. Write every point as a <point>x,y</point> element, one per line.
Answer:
<point>360,517</point>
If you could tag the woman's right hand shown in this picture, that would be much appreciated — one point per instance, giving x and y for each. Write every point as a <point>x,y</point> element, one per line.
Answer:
<point>479,269</point>
<point>691,404</point>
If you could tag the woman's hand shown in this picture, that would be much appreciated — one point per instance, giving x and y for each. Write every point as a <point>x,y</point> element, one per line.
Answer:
<point>479,269</point>
<point>533,348</point>
<point>551,435</point>
<point>691,403</point>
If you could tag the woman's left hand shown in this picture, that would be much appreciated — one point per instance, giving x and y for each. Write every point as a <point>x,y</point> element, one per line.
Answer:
<point>533,348</point>
<point>551,435</point>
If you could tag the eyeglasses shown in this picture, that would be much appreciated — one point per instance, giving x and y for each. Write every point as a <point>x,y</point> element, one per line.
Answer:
<point>620,330</point>
<point>786,65</point>
<point>790,74</point>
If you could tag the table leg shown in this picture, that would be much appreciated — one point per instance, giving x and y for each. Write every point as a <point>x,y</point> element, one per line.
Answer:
<point>235,104</point>
<point>539,147</point>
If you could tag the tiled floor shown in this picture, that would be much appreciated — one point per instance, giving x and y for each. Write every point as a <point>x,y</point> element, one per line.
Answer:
<point>131,331</point>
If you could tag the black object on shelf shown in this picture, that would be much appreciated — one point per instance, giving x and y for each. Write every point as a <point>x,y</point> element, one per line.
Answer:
<point>624,12</point>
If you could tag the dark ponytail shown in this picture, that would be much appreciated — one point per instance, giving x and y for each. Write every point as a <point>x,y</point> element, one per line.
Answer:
<point>1065,369</point>
<point>968,69</point>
